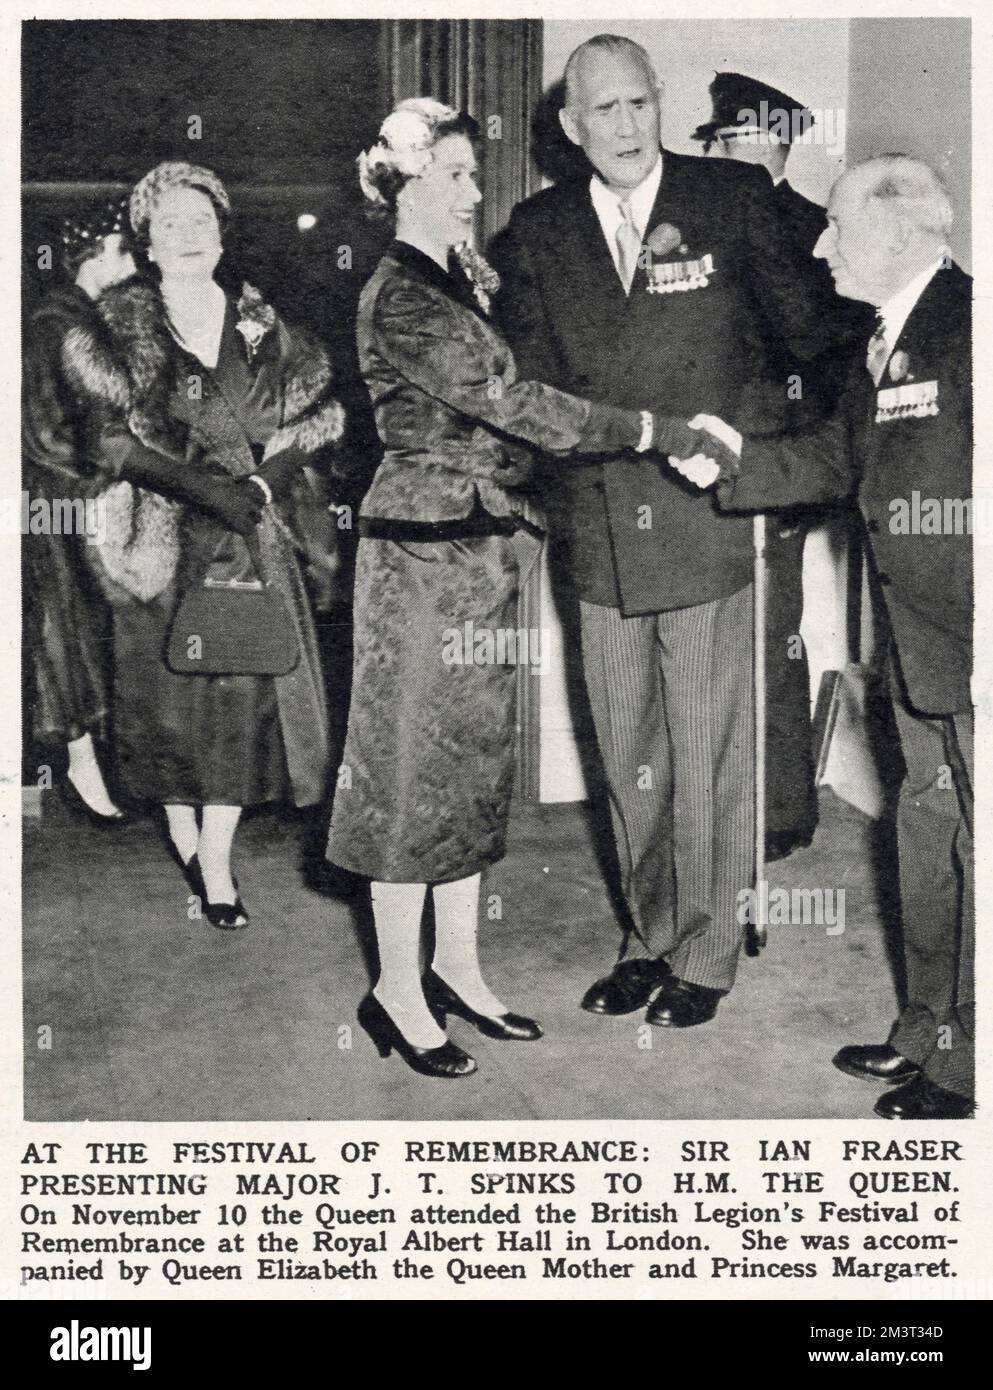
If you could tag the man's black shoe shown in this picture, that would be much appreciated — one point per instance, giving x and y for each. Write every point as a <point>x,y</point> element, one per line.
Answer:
<point>877,1061</point>
<point>921,1099</point>
<point>680,1004</point>
<point>628,987</point>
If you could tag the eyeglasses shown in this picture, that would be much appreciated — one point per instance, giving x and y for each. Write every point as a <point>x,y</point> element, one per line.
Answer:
<point>728,140</point>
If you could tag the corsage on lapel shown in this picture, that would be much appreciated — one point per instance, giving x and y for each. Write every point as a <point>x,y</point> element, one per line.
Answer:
<point>674,277</point>
<point>911,399</point>
<point>255,318</point>
<point>480,274</point>
<point>899,367</point>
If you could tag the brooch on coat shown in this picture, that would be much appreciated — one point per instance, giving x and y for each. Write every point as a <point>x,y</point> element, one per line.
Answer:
<point>255,318</point>
<point>674,277</point>
<point>481,276</point>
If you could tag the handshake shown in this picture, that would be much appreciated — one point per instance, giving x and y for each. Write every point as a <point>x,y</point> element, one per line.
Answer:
<point>702,450</point>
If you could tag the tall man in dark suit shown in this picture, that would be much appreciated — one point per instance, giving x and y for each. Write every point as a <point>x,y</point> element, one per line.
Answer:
<point>902,437</point>
<point>644,285</point>
<point>756,124</point>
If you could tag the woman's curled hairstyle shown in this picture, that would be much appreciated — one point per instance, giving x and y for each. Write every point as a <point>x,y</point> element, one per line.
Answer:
<point>404,149</point>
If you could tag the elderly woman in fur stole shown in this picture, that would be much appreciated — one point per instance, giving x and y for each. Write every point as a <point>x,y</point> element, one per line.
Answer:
<point>207,411</point>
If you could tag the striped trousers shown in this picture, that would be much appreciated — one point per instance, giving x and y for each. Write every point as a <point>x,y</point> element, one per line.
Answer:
<point>673,707</point>
<point>937,1026</point>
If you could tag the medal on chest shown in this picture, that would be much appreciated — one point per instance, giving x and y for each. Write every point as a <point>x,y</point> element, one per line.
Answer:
<point>913,401</point>
<point>676,276</point>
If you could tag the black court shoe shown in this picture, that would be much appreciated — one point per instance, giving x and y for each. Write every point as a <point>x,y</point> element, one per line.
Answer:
<point>507,1027</point>
<point>190,869</point>
<point>226,916</point>
<point>446,1061</point>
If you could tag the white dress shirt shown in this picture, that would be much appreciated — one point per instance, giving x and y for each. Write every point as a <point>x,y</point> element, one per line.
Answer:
<point>607,205</point>
<point>898,308</point>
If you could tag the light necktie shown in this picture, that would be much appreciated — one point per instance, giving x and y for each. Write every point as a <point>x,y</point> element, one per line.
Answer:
<point>628,246</point>
<point>878,351</point>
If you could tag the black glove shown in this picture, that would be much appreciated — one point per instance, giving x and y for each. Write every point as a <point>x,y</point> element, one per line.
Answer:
<point>674,436</point>
<point>232,501</point>
<point>726,459</point>
<point>279,471</point>
<point>238,507</point>
<point>671,436</point>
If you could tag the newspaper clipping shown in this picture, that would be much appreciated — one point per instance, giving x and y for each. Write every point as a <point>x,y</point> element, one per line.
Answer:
<point>490,783</point>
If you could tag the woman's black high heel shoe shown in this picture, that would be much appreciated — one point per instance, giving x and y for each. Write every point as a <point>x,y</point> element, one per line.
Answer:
<point>443,1000</point>
<point>225,915</point>
<point>190,869</point>
<point>447,1060</point>
<point>75,799</point>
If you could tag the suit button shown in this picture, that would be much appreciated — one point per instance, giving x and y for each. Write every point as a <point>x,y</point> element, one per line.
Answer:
<point>885,580</point>
<point>872,525</point>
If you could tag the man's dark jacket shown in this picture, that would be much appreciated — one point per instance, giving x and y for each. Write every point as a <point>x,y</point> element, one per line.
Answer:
<point>925,579</point>
<point>636,537</point>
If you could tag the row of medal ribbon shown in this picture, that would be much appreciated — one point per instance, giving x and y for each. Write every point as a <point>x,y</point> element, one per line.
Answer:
<point>912,401</point>
<point>672,277</point>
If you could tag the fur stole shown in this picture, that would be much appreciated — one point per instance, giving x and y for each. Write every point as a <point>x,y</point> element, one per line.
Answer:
<point>126,365</point>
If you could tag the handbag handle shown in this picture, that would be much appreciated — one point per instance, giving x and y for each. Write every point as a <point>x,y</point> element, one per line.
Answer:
<point>255,555</point>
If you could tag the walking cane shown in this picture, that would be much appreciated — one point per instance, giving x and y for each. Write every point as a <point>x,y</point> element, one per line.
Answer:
<point>758,932</point>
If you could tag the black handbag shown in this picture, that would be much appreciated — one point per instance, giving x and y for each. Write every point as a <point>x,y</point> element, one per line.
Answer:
<point>232,627</point>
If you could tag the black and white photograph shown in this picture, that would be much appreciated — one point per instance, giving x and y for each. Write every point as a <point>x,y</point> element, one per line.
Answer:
<point>497,621</point>
<point>496,522</point>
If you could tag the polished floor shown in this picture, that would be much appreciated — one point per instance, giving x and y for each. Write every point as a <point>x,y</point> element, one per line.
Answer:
<point>154,1016</point>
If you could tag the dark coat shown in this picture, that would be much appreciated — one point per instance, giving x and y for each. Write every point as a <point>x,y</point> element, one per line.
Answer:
<point>192,738</point>
<point>789,387</point>
<point>925,580</point>
<point>805,218</point>
<point>565,312</point>
<point>53,432</point>
<point>65,620</point>
<point>450,402</point>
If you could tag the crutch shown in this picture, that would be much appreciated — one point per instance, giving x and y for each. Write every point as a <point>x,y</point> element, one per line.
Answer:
<point>758,932</point>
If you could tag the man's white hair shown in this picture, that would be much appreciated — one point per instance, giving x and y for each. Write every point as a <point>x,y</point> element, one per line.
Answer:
<point>914,189</point>
<point>605,43</point>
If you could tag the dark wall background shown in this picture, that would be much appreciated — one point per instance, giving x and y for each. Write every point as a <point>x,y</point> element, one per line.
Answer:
<point>282,101</point>
<point>285,107</point>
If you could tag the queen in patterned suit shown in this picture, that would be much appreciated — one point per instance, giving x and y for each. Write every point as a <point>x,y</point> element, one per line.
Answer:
<point>428,760</point>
